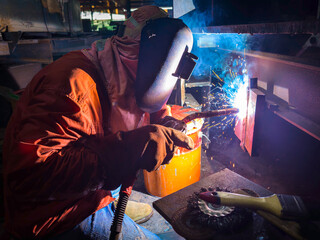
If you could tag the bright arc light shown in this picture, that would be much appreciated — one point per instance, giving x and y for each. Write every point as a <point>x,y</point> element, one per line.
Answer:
<point>241,99</point>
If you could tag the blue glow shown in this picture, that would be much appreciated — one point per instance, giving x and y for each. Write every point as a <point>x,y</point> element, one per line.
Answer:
<point>222,60</point>
<point>222,56</point>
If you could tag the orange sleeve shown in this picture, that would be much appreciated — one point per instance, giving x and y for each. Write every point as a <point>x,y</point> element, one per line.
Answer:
<point>52,178</point>
<point>46,152</point>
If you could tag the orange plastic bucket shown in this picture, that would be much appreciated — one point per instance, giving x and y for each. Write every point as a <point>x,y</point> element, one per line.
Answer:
<point>184,168</point>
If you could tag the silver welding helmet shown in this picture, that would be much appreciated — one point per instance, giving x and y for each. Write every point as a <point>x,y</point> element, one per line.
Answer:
<point>164,56</point>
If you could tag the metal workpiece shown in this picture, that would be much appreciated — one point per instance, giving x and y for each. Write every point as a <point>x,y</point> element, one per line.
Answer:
<point>209,114</point>
<point>293,86</point>
<point>294,27</point>
<point>246,128</point>
<point>288,80</point>
<point>290,83</point>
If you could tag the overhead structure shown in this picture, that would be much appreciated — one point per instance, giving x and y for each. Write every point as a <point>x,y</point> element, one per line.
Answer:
<point>120,6</point>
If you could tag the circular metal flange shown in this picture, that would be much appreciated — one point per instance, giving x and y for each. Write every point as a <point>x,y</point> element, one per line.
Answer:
<point>214,210</point>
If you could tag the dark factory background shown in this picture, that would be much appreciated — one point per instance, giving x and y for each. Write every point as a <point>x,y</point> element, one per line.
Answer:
<point>274,45</point>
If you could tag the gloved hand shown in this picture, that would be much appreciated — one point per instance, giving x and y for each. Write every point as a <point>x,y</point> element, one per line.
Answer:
<point>153,145</point>
<point>174,123</point>
<point>122,154</point>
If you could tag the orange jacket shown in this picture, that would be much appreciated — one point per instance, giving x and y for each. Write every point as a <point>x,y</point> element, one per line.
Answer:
<point>51,180</point>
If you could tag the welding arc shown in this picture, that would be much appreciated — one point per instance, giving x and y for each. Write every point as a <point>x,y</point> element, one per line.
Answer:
<point>208,114</point>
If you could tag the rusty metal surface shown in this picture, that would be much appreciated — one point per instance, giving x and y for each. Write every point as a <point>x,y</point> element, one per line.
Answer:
<point>255,106</point>
<point>225,179</point>
<point>241,124</point>
<point>246,128</point>
<point>295,27</point>
<point>239,131</point>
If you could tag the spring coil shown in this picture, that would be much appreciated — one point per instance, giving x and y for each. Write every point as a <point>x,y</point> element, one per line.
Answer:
<point>118,216</point>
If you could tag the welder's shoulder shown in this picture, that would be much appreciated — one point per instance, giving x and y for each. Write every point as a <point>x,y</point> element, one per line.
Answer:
<point>72,72</point>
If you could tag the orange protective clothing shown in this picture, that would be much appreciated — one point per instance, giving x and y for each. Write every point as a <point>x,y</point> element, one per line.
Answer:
<point>61,156</point>
<point>51,180</point>
<point>59,161</point>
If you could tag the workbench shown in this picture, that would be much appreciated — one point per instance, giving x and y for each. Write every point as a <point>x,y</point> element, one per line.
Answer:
<point>173,205</point>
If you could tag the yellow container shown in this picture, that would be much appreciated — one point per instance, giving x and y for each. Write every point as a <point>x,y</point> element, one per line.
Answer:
<point>184,168</point>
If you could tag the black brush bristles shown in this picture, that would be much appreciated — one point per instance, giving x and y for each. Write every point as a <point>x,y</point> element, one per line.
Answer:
<point>292,206</point>
<point>232,222</point>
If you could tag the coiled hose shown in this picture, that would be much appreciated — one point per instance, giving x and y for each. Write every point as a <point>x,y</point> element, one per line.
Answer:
<point>118,216</point>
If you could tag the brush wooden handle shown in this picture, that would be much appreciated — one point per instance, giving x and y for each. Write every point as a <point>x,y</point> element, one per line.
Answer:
<point>269,204</point>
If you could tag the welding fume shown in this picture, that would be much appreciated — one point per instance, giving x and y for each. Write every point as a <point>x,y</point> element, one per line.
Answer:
<point>87,123</point>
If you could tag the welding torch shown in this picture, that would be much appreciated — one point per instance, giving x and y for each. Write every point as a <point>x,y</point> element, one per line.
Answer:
<point>126,188</point>
<point>208,114</point>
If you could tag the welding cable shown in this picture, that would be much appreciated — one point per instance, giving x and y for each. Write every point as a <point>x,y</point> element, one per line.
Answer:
<point>208,114</point>
<point>118,216</point>
<point>124,195</point>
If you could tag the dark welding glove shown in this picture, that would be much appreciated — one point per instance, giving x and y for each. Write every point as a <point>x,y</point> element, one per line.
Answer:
<point>124,153</point>
<point>162,118</point>
<point>174,123</point>
<point>154,145</point>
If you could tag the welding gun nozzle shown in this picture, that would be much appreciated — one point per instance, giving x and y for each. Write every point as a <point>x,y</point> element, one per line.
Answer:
<point>208,114</point>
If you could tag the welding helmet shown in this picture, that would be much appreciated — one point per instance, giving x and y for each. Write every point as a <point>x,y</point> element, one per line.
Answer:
<point>164,56</point>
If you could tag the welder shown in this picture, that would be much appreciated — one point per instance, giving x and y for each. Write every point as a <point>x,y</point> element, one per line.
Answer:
<point>77,134</point>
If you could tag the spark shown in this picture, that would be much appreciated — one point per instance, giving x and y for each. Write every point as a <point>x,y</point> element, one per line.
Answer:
<point>240,100</point>
<point>217,76</point>
<point>229,89</point>
<point>210,126</point>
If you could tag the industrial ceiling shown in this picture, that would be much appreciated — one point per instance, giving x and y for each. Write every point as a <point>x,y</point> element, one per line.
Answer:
<point>119,6</point>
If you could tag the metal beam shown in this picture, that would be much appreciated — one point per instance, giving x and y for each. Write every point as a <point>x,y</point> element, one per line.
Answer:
<point>245,129</point>
<point>295,27</point>
<point>300,122</point>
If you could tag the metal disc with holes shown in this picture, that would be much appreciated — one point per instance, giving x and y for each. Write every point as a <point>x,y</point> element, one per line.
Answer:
<point>217,217</point>
<point>214,210</point>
